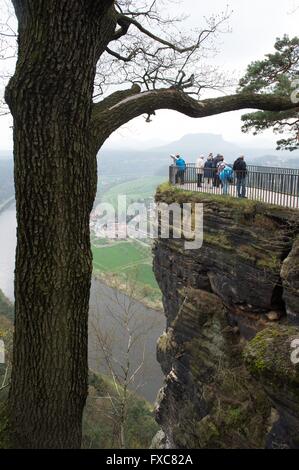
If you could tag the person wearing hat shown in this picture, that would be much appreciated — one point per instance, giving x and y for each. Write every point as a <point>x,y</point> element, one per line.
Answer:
<point>179,168</point>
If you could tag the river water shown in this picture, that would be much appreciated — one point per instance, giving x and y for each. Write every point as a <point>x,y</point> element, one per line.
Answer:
<point>108,309</point>
<point>7,250</point>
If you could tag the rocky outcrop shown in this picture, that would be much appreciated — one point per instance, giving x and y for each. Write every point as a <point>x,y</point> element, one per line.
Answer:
<point>272,362</point>
<point>242,283</point>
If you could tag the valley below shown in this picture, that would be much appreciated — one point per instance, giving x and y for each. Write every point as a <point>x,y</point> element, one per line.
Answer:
<point>104,300</point>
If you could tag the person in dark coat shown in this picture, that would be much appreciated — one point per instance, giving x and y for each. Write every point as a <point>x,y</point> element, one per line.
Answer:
<point>240,169</point>
<point>208,169</point>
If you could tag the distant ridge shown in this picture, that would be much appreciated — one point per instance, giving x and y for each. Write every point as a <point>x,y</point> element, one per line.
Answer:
<point>193,145</point>
<point>155,161</point>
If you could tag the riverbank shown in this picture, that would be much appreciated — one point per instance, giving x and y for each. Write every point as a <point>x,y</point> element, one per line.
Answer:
<point>8,225</point>
<point>147,296</point>
<point>108,313</point>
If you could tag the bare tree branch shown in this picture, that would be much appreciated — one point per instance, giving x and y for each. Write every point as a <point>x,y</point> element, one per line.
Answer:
<point>148,102</point>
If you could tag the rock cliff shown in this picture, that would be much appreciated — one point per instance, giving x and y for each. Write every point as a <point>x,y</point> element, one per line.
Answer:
<point>232,310</point>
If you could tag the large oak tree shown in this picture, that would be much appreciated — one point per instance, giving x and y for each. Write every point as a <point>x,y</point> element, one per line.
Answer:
<point>63,50</point>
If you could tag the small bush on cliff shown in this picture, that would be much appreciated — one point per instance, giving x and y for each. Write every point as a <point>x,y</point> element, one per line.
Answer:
<point>100,424</point>
<point>220,239</point>
<point>262,259</point>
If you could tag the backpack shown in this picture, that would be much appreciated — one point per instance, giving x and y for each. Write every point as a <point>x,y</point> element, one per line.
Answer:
<point>226,174</point>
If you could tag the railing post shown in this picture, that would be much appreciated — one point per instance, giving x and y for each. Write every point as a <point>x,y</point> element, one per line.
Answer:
<point>172,175</point>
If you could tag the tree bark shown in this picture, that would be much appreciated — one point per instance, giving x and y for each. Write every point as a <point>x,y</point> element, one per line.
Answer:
<point>50,97</point>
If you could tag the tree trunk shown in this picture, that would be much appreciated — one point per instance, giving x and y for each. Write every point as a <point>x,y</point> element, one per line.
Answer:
<point>50,97</point>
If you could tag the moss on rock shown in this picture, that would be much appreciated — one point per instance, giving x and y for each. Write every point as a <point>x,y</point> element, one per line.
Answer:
<point>269,357</point>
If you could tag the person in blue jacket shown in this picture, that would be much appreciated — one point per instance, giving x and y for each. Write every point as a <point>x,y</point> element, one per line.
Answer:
<point>225,175</point>
<point>181,165</point>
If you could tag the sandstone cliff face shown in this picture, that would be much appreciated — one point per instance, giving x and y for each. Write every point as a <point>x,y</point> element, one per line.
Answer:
<point>232,311</point>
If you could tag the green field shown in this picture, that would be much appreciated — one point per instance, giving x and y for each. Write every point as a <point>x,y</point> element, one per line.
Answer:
<point>139,189</point>
<point>128,258</point>
<point>143,273</point>
<point>119,256</point>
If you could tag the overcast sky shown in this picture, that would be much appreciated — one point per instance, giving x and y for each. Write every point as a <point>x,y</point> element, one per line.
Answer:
<point>255,25</point>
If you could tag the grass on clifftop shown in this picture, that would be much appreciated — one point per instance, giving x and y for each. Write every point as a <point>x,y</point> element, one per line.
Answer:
<point>169,193</point>
<point>166,190</point>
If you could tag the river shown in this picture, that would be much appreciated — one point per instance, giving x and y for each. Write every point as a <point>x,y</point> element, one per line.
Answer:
<point>107,310</point>
<point>7,250</point>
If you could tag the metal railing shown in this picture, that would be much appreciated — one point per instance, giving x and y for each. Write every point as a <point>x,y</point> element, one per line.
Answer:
<point>276,186</point>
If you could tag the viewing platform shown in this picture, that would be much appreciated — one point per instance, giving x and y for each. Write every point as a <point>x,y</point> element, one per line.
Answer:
<point>270,185</point>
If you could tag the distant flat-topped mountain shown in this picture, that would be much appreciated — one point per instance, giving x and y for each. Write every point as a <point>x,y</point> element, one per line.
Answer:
<point>193,145</point>
<point>155,161</point>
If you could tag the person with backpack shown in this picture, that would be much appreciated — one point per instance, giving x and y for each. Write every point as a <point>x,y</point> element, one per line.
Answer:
<point>240,169</point>
<point>215,162</point>
<point>181,166</point>
<point>221,165</point>
<point>225,176</point>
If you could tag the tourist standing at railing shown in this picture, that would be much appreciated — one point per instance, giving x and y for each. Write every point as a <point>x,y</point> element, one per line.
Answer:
<point>240,169</point>
<point>174,169</point>
<point>221,164</point>
<point>181,166</point>
<point>208,168</point>
<point>215,163</point>
<point>200,164</point>
<point>226,176</point>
